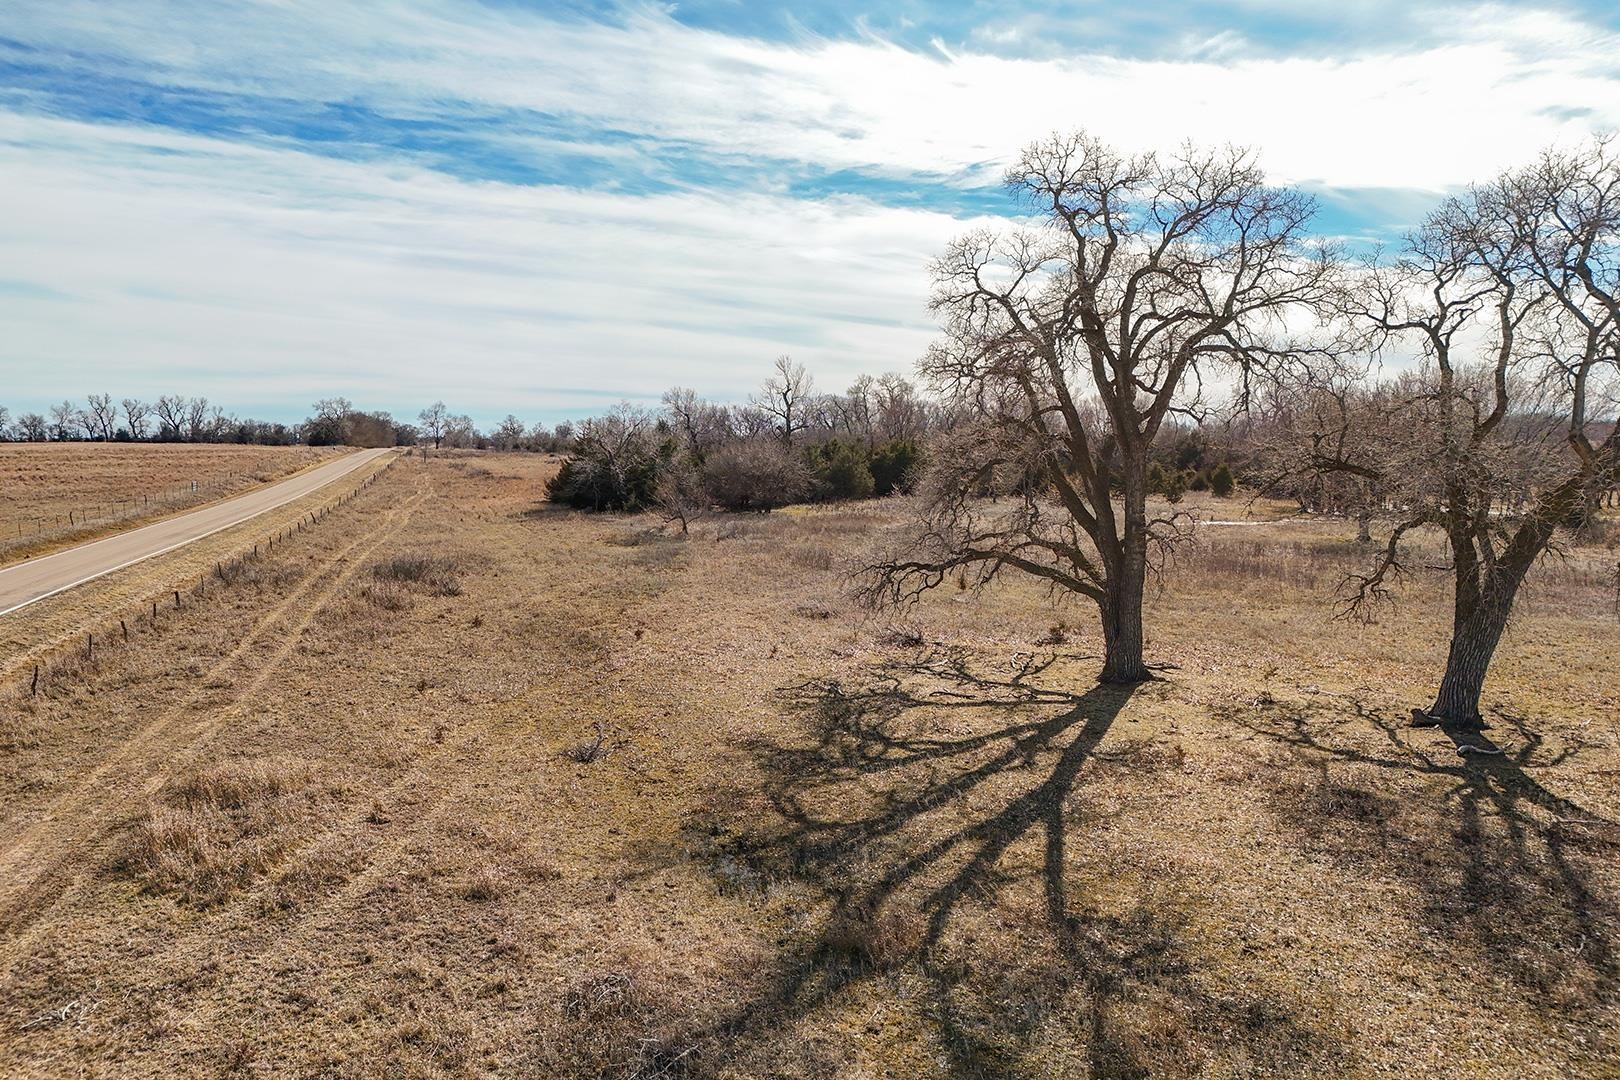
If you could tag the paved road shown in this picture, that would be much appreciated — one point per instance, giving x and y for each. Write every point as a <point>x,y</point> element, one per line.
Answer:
<point>35,579</point>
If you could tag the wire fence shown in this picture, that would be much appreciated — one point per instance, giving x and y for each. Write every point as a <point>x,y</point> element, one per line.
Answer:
<point>27,528</point>
<point>70,657</point>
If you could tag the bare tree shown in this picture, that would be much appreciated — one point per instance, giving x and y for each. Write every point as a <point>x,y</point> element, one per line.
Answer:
<point>33,427</point>
<point>899,412</point>
<point>459,431</point>
<point>100,416</point>
<point>66,421</point>
<point>510,434</point>
<point>783,397</point>
<point>171,414</point>
<point>679,493</point>
<point>135,413</point>
<point>329,422</point>
<point>701,425</point>
<point>1507,434</point>
<point>858,410</point>
<point>1066,347</point>
<point>750,422</point>
<point>434,420</point>
<point>197,419</point>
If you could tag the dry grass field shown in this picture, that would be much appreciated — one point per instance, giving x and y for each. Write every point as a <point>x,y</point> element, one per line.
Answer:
<point>54,494</point>
<point>457,783</point>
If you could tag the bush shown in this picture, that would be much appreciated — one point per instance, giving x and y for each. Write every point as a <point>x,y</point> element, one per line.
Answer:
<point>894,466</point>
<point>615,464</point>
<point>839,470</point>
<point>1220,481</point>
<point>1198,482</point>
<point>1172,485</point>
<point>754,475</point>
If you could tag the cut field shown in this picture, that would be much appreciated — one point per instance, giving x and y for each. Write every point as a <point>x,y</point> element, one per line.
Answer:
<point>456,783</point>
<point>55,494</point>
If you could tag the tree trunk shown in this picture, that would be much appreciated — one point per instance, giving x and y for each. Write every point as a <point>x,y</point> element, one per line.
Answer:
<point>1127,584</point>
<point>1122,635</point>
<point>1473,643</point>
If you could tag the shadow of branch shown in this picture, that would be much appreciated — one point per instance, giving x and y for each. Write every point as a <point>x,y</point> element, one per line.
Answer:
<point>1508,870</point>
<point>881,812</point>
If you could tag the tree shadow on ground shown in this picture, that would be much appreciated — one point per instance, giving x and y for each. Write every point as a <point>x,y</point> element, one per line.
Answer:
<point>932,811</point>
<point>1509,873</point>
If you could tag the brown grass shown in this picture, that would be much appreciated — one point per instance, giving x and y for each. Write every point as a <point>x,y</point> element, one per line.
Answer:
<point>436,574</point>
<point>112,486</point>
<point>295,831</point>
<point>214,832</point>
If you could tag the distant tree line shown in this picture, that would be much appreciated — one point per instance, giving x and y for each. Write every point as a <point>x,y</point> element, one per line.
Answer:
<point>169,418</point>
<point>332,421</point>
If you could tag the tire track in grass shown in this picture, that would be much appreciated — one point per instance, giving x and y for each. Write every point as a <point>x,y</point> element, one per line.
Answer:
<point>35,862</point>
<point>439,768</point>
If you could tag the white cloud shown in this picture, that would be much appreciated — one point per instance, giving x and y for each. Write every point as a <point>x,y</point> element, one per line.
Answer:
<point>255,275</point>
<point>1473,99</point>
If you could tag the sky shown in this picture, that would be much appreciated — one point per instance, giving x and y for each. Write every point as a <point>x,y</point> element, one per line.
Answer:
<point>544,208</point>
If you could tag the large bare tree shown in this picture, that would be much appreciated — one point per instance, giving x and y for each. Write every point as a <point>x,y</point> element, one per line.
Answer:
<point>1505,433</point>
<point>32,427</point>
<point>1066,346</point>
<point>701,425</point>
<point>197,419</point>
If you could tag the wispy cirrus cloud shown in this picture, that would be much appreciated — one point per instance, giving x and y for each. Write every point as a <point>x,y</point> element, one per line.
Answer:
<point>185,263</point>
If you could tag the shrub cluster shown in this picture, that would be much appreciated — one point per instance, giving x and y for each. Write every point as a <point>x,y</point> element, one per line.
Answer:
<point>1173,483</point>
<point>630,460</point>
<point>616,463</point>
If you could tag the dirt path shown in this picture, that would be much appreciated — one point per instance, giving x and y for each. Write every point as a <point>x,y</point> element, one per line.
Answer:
<point>36,579</point>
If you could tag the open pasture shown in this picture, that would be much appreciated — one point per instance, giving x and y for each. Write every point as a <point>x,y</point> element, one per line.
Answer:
<point>458,783</point>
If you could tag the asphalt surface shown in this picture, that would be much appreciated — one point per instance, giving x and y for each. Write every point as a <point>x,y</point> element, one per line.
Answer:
<point>35,579</point>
